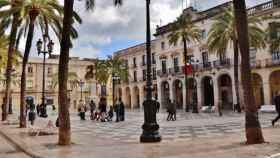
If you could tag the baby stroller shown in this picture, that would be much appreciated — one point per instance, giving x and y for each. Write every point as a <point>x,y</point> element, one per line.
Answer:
<point>95,116</point>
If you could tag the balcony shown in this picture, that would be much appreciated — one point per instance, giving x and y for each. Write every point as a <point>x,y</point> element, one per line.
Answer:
<point>263,7</point>
<point>272,62</point>
<point>162,73</point>
<point>220,64</point>
<point>177,70</point>
<point>207,66</point>
<point>256,65</point>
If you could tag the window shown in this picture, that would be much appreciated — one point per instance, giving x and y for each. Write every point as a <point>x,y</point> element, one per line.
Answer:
<point>135,76</point>
<point>49,84</point>
<point>162,45</point>
<point>205,60</point>
<point>153,58</point>
<point>176,64</point>
<point>49,71</point>
<point>134,62</point>
<point>276,55</point>
<point>274,29</point>
<point>203,34</point>
<point>144,75</point>
<point>154,73</point>
<point>143,60</point>
<point>29,84</point>
<point>30,69</point>
<point>163,66</point>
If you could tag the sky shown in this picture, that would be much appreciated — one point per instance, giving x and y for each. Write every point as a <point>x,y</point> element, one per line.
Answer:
<point>108,29</point>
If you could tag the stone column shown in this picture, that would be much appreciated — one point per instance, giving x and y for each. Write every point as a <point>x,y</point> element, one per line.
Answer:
<point>199,94</point>
<point>141,96</point>
<point>266,89</point>
<point>159,93</point>
<point>216,91</point>
<point>171,95</point>
<point>184,94</point>
<point>133,97</point>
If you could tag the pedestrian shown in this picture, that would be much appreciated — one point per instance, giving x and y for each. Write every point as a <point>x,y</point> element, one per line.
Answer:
<point>82,110</point>
<point>122,110</point>
<point>158,105</point>
<point>117,111</point>
<point>92,107</point>
<point>171,110</point>
<point>102,108</point>
<point>31,114</point>
<point>111,113</point>
<point>38,109</point>
<point>277,106</point>
<point>220,107</point>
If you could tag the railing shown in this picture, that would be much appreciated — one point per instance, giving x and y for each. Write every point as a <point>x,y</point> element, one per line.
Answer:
<point>177,70</point>
<point>162,73</point>
<point>272,62</point>
<point>256,65</point>
<point>222,63</point>
<point>264,7</point>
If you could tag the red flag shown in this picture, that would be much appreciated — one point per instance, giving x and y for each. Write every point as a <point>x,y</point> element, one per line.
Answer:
<point>188,69</point>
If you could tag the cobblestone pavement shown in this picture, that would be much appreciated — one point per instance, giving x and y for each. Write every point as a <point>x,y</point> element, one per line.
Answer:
<point>188,126</point>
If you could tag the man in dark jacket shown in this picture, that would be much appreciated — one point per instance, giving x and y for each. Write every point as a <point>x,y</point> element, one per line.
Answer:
<point>277,105</point>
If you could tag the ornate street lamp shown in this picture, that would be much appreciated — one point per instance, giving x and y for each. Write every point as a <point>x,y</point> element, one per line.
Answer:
<point>150,127</point>
<point>47,46</point>
<point>81,84</point>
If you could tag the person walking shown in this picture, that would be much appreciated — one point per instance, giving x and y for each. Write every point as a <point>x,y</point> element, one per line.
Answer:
<point>117,111</point>
<point>158,105</point>
<point>92,107</point>
<point>122,110</point>
<point>31,114</point>
<point>277,105</point>
<point>82,110</point>
<point>169,110</point>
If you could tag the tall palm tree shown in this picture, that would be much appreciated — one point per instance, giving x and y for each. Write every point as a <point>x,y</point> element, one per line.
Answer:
<point>42,12</point>
<point>253,128</point>
<point>223,34</point>
<point>64,118</point>
<point>12,40</point>
<point>185,30</point>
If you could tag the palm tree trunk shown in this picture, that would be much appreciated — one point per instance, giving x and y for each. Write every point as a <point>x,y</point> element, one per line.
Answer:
<point>253,127</point>
<point>236,72</point>
<point>22,123</point>
<point>64,117</point>
<point>13,35</point>
<point>186,75</point>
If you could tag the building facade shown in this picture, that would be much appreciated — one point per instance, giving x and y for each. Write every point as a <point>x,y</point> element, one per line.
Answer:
<point>212,80</point>
<point>89,89</point>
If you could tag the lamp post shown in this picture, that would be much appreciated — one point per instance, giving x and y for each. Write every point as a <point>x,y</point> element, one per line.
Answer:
<point>195,108</point>
<point>114,79</point>
<point>47,46</point>
<point>81,84</point>
<point>150,127</point>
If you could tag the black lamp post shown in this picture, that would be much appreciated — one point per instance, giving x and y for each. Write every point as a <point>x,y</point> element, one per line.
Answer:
<point>150,127</point>
<point>195,106</point>
<point>81,83</point>
<point>114,79</point>
<point>47,46</point>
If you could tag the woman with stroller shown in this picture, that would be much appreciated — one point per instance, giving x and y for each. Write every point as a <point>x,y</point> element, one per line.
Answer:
<point>82,110</point>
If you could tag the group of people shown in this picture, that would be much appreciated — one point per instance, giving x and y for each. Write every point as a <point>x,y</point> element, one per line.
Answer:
<point>100,112</point>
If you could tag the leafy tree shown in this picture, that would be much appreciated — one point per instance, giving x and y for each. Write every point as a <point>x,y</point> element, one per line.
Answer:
<point>223,34</point>
<point>183,29</point>
<point>253,128</point>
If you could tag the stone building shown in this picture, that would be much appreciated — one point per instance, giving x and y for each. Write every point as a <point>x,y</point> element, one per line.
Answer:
<point>90,89</point>
<point>213,77</point>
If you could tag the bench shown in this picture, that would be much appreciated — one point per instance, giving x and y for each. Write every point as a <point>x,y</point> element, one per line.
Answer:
<point>208,109</point>
<point>268,109</point>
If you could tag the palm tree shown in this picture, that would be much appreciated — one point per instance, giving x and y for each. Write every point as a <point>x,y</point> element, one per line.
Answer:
<point>64,118</point>
<point>253,128</point>
<point>183,28</point>
<point>12,40</point>
<point>223,35</point>
<point>45,13</point>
